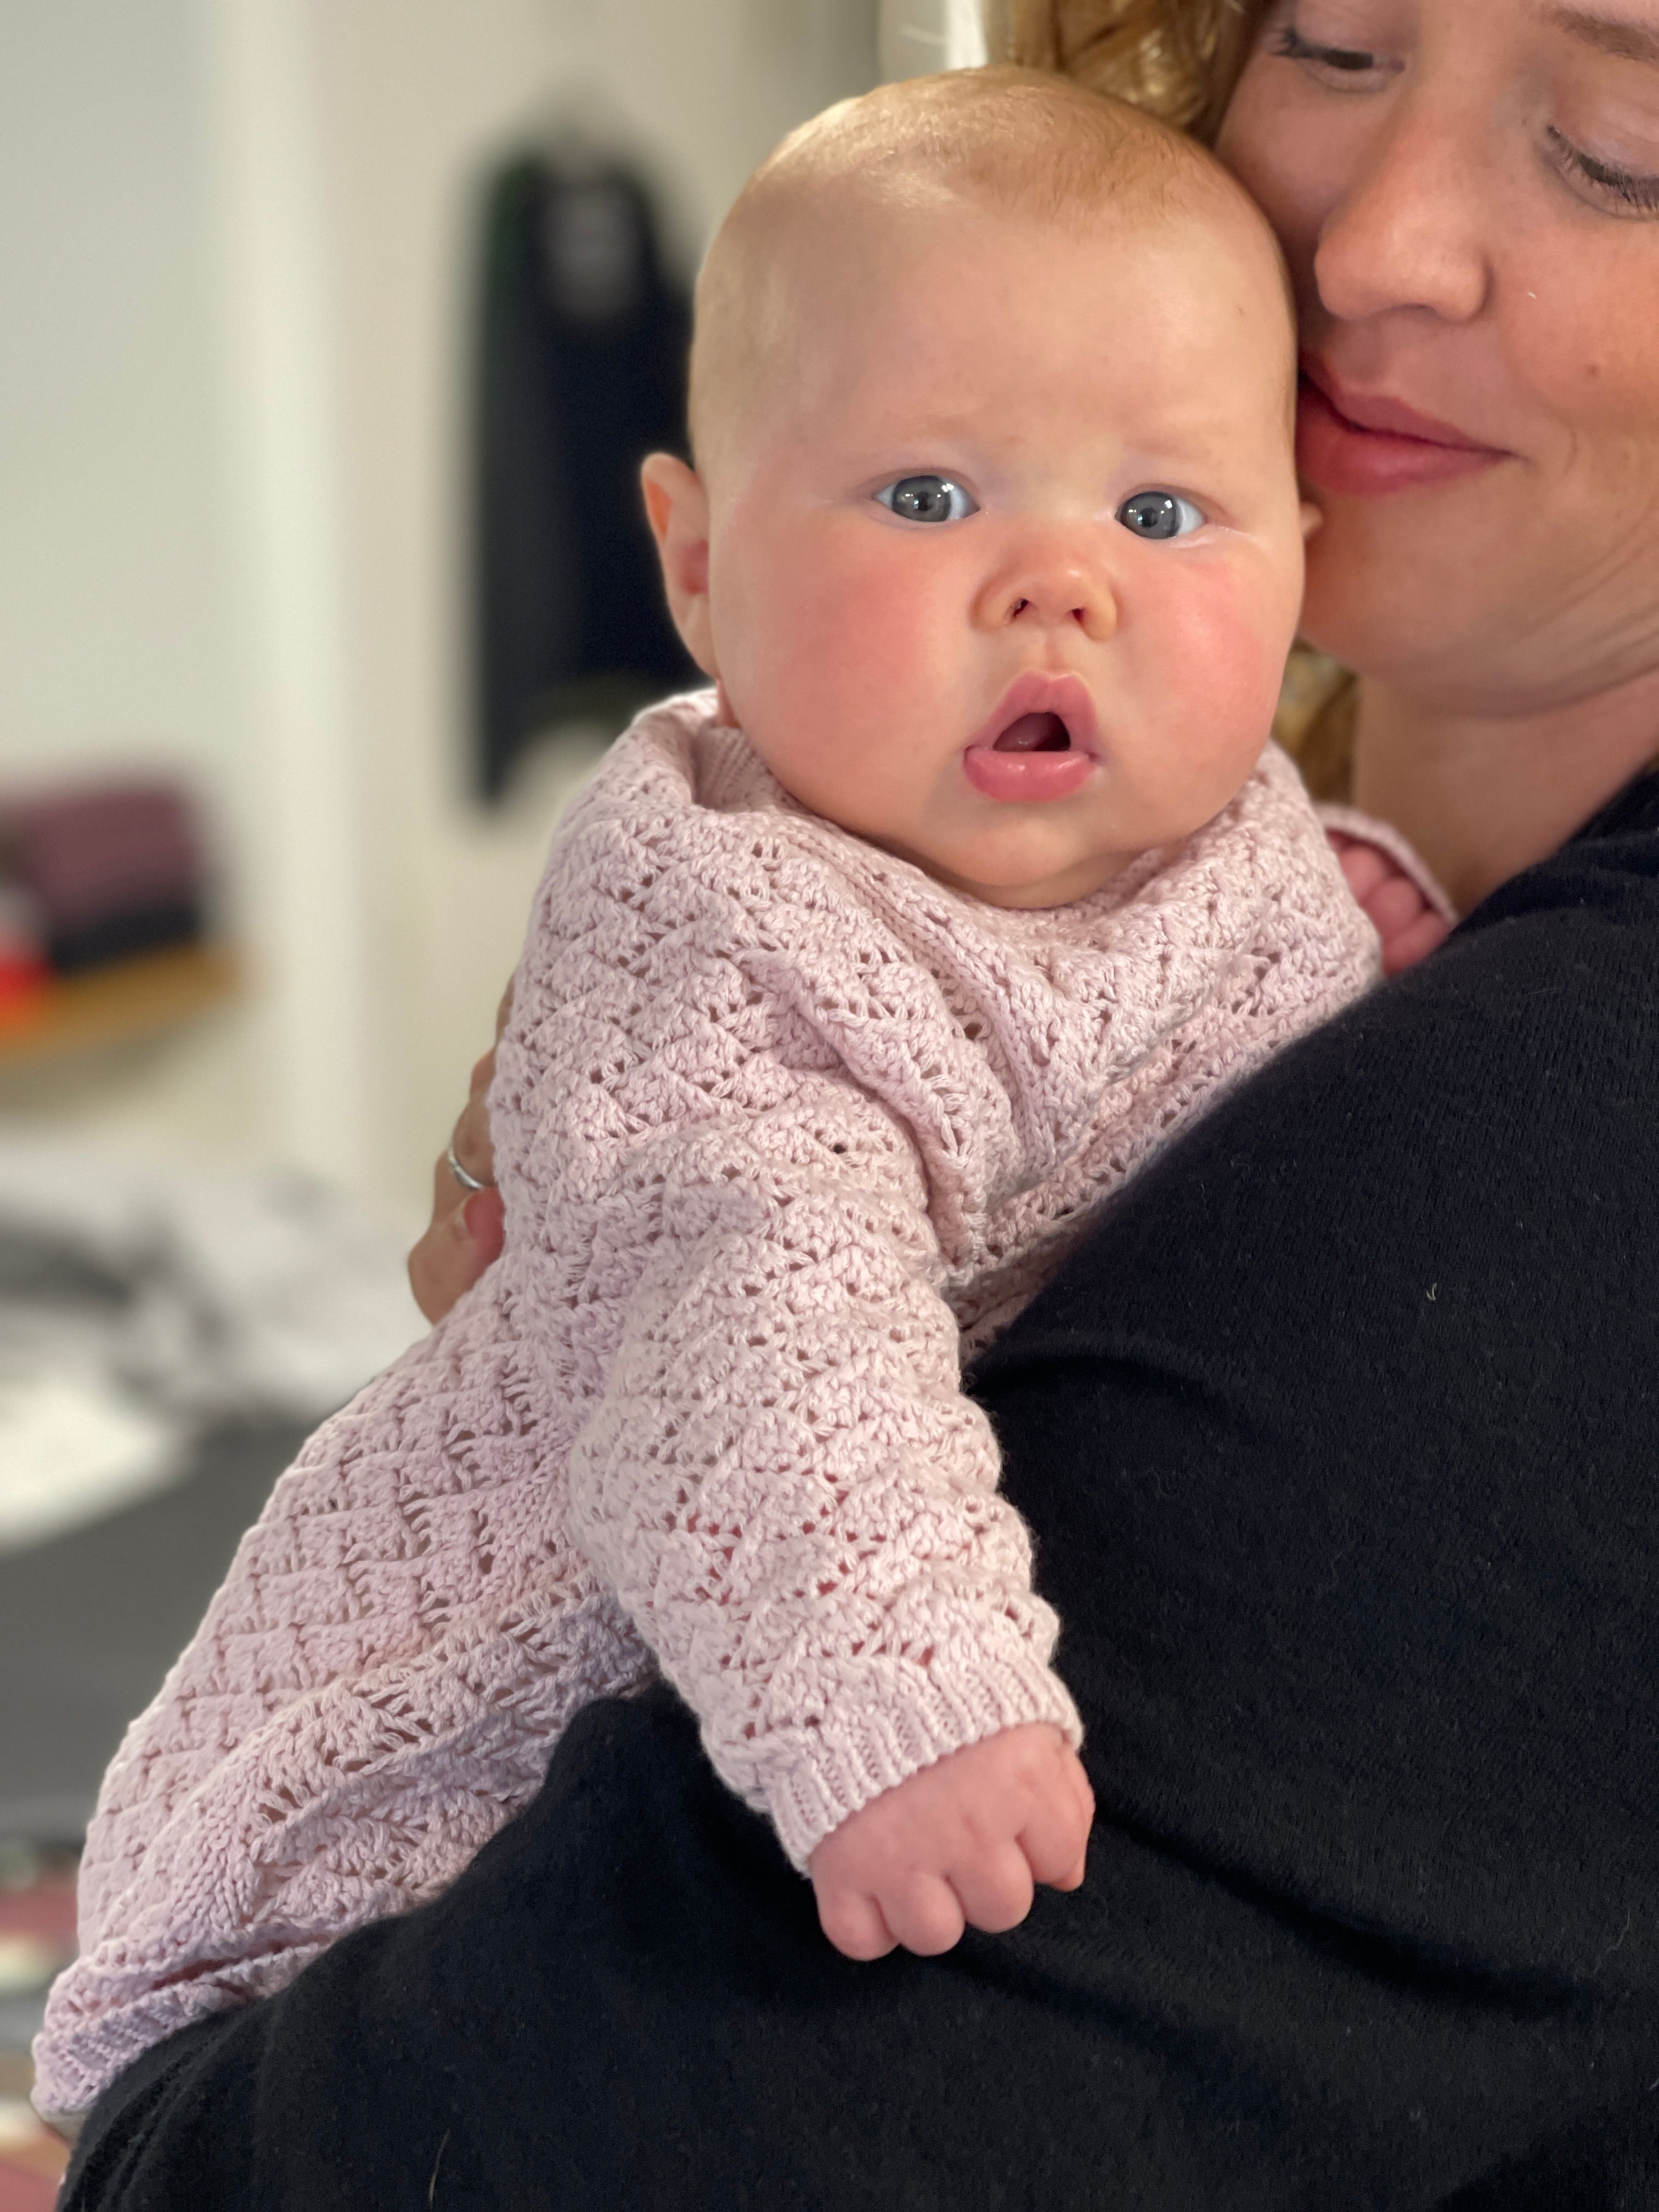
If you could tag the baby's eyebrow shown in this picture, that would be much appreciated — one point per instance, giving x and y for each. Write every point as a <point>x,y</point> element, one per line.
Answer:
<point>1618,35</point>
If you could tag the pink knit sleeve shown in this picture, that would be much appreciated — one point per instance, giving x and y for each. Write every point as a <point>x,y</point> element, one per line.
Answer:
<point>732,1266</point>
<point>785,1484</point>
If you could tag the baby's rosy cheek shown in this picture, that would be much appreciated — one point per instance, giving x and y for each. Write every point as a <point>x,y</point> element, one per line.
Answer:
<point>1225,648</point>
<point>865,621</point>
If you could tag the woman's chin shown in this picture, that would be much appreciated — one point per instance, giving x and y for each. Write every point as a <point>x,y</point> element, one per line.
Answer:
<point>1389,594</point>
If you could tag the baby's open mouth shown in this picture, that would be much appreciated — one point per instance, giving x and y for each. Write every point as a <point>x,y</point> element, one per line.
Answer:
<point>1035,733</point>
<point>1041,741</point>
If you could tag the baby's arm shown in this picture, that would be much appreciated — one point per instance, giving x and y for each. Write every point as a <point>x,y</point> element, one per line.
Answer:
<point>783,1481</point>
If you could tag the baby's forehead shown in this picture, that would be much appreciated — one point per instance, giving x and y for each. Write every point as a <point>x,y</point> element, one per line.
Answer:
<point>848,265</point>
<point>789,214</point>
<point>830,257</point>
<point>875,200</point>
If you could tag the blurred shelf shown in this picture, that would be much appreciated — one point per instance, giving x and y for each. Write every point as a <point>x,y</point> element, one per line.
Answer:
<point>128,1000</point>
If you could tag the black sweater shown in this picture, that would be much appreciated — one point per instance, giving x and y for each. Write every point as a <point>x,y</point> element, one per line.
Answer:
<point>1337,1440</point>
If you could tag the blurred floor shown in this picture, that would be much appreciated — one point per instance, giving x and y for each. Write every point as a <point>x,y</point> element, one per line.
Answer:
<point>37,1936</point>
<point>91,1622</point>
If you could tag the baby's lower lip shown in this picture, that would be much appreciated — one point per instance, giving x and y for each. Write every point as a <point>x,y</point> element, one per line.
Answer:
<point>1026,774</point>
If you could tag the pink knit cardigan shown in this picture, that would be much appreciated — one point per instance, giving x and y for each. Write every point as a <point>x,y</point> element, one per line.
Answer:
<point>782,1126</point>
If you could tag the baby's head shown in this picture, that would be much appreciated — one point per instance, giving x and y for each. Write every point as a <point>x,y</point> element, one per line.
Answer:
<point>993,543</point>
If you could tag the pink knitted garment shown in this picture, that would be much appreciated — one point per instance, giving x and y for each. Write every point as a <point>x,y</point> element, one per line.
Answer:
<point>782,1126</point>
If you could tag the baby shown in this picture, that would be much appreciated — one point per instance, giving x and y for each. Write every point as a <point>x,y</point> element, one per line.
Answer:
<point>854,985</point>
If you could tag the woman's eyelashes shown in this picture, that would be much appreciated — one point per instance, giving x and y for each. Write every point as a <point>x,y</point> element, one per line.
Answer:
<point>1158,515</point>
<point>1347,69</point>
<point>927,498</point>
<point>1640,195</point>
<point>1355,69</point>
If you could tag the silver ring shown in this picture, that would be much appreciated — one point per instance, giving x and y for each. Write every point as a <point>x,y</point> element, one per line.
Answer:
<point>467,1181</point>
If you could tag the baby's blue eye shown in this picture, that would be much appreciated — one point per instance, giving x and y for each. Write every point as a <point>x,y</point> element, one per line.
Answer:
<point>927,499</point>
<point>1160,514</point>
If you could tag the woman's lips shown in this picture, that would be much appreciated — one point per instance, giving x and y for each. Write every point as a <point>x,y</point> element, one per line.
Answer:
<point>1347,443</point>
<point>1041,741</point>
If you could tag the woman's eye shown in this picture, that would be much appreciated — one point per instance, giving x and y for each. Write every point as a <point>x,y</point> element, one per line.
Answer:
<point>927,499</point>
<point>1339,66</point>
<point>1160,514</point>
<point>1636,195</point>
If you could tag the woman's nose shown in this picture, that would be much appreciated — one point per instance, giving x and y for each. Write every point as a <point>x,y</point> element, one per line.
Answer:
<point>1049,591</point>
<point>1411,231</point>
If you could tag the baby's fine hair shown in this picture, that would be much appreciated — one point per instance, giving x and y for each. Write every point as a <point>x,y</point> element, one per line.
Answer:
<point>1020,140</point>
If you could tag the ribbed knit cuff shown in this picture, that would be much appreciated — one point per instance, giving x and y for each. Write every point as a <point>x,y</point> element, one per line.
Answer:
<point>817,1777</point>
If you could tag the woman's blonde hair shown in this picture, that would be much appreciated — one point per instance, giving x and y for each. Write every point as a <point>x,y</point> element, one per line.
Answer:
<point>1180,59</point>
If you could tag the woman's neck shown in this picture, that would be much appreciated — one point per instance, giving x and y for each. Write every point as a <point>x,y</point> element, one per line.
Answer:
<point>1483,797</point>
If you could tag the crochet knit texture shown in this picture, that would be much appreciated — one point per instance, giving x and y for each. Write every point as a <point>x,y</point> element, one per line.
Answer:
<point>784,1127</point>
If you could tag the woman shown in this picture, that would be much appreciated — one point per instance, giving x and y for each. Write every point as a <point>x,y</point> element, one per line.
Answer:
<point>1331,1434</point>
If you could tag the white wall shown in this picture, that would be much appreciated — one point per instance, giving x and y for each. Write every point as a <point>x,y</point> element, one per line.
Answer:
<point>113,603</point>
<point>234,256</point>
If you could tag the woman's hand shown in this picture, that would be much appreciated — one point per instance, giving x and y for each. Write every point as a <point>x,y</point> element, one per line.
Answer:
<point>465,1235</point>
<point>962,1843</point>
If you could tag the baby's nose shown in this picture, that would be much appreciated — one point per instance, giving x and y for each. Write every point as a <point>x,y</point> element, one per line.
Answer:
<point>1049,593</point>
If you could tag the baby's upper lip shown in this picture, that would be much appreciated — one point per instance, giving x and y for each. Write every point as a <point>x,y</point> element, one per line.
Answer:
<point>1376,411</point>
<point>1037,692</point>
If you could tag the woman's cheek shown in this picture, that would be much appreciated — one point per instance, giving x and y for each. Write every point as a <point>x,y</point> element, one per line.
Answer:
<point>1580,332</point>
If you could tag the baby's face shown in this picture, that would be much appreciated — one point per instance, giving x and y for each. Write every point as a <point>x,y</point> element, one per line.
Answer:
<point>1004,575</point>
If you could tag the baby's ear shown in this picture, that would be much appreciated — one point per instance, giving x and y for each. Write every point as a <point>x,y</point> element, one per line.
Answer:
<point>678,506</point>
<point>1312,519</point>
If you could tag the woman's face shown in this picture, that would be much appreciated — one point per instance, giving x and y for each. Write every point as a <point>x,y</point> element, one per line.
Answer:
<point>1468,194</point>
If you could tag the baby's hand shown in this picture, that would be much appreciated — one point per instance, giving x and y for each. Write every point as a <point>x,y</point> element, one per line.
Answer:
<point>961,1842</point>
<point>1409,926</point>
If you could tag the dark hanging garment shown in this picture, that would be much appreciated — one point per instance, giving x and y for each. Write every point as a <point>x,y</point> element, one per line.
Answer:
<point>583,373</point>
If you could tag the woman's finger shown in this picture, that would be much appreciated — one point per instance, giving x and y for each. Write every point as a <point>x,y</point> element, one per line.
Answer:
<point>465,1233</point>
<point>463,1239</point>
<point>475,1148</point>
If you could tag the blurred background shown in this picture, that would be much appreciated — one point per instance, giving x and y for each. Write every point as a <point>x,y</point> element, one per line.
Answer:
<point>334,332</point>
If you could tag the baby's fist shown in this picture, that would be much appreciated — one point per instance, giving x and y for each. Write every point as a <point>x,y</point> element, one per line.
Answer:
<point>961,1843</point>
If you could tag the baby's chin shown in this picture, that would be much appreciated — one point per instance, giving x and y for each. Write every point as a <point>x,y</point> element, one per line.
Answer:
<point>1020,884</point>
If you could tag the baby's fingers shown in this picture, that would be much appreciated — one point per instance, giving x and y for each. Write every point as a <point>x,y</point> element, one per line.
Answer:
<point>1056,1836</point>
<point>995,1892</point>
<point>1395,905</point>
<point>854,1924</point>
<point>924,1914</point>
<point>1405,947</point>
<point>1365,867</point>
